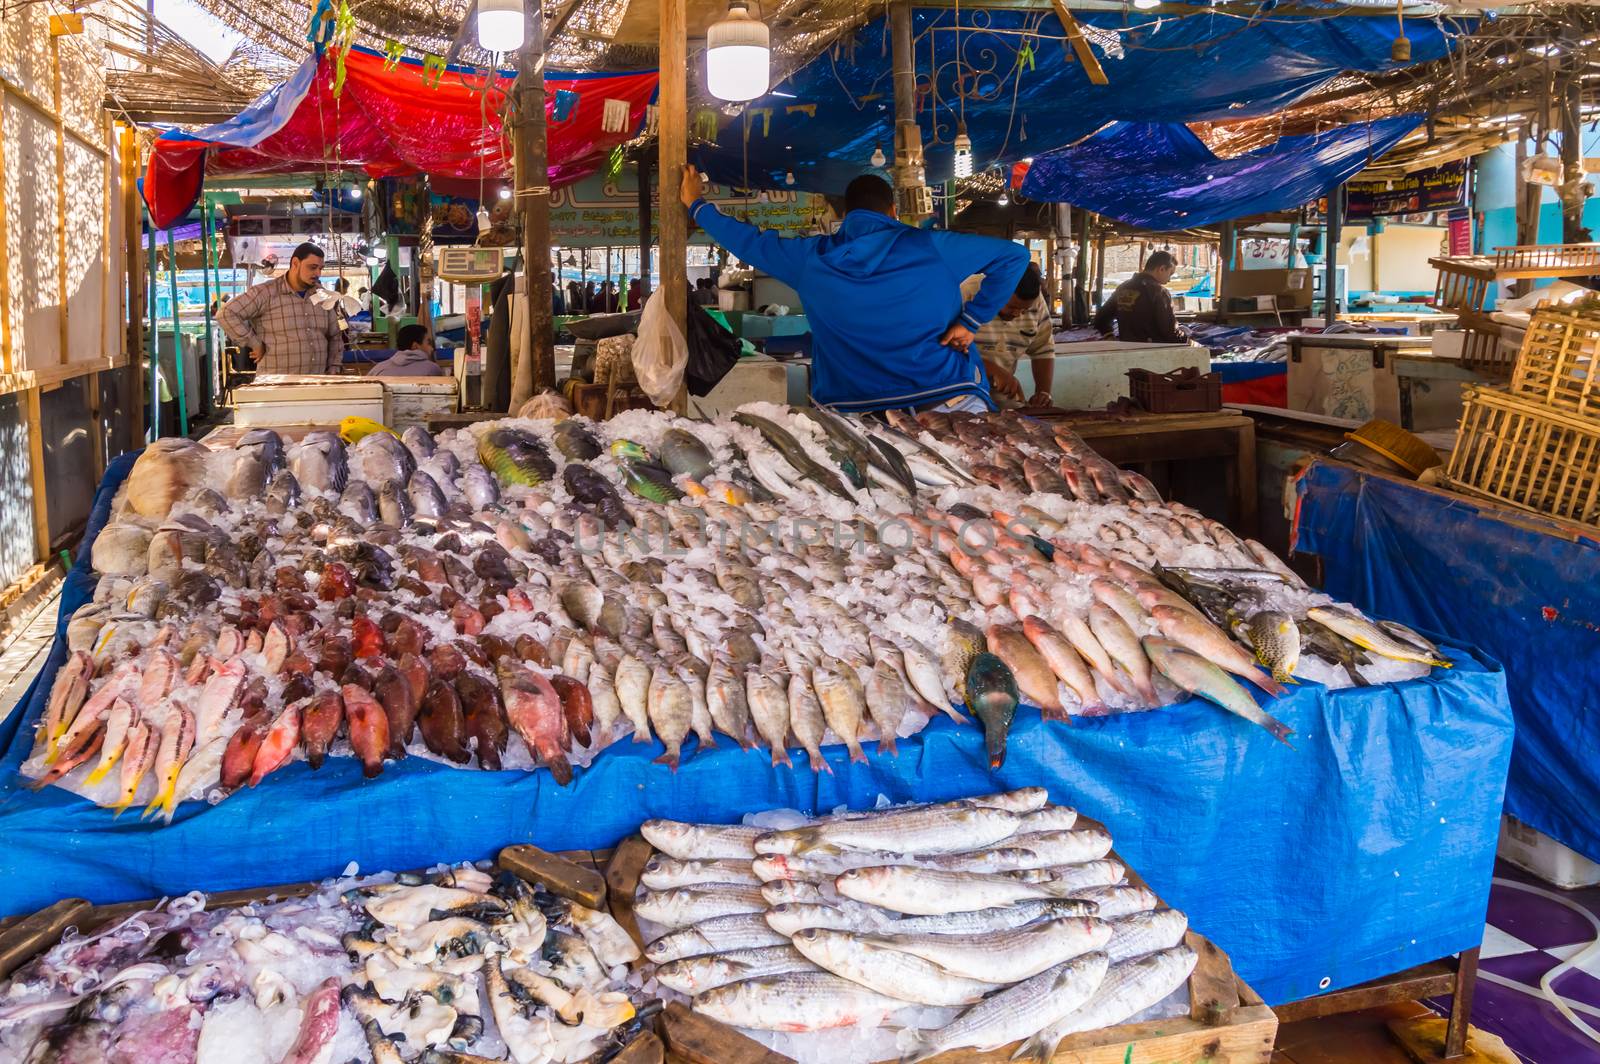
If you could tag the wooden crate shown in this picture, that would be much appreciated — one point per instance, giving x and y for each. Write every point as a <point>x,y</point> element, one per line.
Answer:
<point>1525,454</point>
<point>1559,364</point>
<point>1228,1023</point>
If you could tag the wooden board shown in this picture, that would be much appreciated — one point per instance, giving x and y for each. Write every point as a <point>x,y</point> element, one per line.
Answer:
<point>32,934</point>
<point>696,1039</point>
<point>567,878</point>
<point>622,879</point>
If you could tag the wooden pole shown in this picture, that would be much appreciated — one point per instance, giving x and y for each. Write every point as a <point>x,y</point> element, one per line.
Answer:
<point>646,225</point>
<point>535,370</point>
<point>674,151</point>
<point>1571,104</point>
<point>1080,274</point>
<point>128,153</point>
<point>1099,272</point>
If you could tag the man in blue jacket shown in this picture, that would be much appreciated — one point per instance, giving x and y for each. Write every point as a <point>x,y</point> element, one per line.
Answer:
<point>889,327</point>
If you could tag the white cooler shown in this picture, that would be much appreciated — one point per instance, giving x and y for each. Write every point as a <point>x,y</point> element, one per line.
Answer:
<point>293,399</point>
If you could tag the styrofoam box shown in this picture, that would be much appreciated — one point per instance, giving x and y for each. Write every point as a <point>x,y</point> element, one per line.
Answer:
<point>1449,343</point>
<point>413,400</point>
<point>1533,851</point>
<point>291,399</point>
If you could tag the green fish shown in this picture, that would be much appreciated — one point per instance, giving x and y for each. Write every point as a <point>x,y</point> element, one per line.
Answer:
<point>966,642</point>
<point>1335,649</point>
<point>848,452</point>
<point>1276,640</point>
<point>992,695</point>
<point>1200,677</point>
<point>515,456</point>
<point>574,440</point>
<point>894,463</point>
<point>793,453</point>
<point>682,452</point>
<point>628,449</point>
<point>649,481</point>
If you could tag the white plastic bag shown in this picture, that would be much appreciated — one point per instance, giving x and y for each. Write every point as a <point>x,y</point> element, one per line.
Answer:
<point>661,352</point>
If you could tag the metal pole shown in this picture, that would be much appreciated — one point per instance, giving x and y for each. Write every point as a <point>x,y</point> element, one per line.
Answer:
<point>646,225</point>
<point>152,281</point>
<point>533,199</point>
<point>205,267</point>
<point>1571,104</point>
<point>908,159</point>
<point>1330,278</point>
<point>177,339</point>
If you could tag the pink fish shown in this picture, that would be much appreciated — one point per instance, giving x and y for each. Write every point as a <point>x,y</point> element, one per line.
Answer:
<point>278,744</point>
<point>275,647</point>
<point>1210,643</point>
<point>533,709</point>
<point>93,713</point>
<point>219,695</point>
<point>369,728</point>
<point>71,687</point>
<point>119,719</point>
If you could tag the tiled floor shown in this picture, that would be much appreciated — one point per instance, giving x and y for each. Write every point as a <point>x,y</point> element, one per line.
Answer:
<point>22,657</point>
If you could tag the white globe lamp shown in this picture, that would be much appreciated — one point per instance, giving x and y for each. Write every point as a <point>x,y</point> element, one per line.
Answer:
<point>738,55</point>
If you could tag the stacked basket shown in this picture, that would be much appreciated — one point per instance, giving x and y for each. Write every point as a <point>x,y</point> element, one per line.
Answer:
<point>1536,443</point>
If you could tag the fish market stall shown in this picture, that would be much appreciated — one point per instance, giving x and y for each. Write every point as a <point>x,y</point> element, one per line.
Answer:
<point>1518,585</point>
<point>288,674</point>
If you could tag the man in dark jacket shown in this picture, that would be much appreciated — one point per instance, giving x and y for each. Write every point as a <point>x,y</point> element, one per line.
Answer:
<point>890,329</point>
<point>1142,306</point>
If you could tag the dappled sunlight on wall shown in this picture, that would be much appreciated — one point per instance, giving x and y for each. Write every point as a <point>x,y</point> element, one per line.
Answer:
<point>32,235</point>
<point>16,492</point>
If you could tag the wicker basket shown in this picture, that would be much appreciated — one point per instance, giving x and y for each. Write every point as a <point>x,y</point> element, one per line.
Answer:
<point>1521,452</point>
<point>1560,360</point>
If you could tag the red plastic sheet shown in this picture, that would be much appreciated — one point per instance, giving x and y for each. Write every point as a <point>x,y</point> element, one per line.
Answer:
<point>393,121</point>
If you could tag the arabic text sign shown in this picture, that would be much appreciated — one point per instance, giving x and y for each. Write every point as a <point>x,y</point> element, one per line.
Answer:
<point>1437,188</point>
<point>601,212</point>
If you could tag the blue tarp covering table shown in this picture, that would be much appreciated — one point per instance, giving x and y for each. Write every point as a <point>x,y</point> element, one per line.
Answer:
<point>1364,850</point>
<point>1523,587</point>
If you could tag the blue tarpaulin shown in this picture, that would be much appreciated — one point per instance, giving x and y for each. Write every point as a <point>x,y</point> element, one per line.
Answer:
<point>1025,92</point>
<point>1525,589</point>
<point>1364,850</point>
<point>1157,175</point>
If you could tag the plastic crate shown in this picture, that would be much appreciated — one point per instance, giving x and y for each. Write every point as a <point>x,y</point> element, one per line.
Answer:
<point>1559,364</point>
<point>1185,390</point>
<point>1521,452</point>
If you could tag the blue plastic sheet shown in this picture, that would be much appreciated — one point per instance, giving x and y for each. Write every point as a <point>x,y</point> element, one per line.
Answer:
<point>1522,588</point>
<point>1157,175</point>
<point>1026,94</point>
<point>1366,849</point>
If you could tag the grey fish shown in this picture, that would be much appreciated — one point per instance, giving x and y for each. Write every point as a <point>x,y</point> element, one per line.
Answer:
<point>394,506</point>
<point>320,463</point>
<point>889,971</point>
<point>480,487</point>
<point>1410,635</point>
<point>357,502</point>
<point>267,443</point>
<point>574,440</point>
<point>425,496</point>
<point>248,479</point>
<point>789,447</point>
<point>1128,988</point>
<point>378,457</point>
<point>696,975</point>
<point>1017,1011</point>
<point>997,918</point>
<point>1145,932</point>
<point>718,935</point>
<point>682,452</point>
<point>283,494</point>
<point>419,442</point>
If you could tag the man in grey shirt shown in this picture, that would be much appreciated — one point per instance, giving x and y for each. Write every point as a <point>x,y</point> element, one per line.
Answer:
<point>281,327</point>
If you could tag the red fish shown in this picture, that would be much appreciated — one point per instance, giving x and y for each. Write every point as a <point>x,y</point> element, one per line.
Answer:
<point>415,670</point>
<point>239,759</point>
<point>446,662</point>
<point>517,601</point>
<point>393,692</point>
<point>336,582</point>
<point>441,722</point>
<point>369,728</point>
<point>485,718</point>
<point>532,651</point>
<point>277,746</point>
<point>366,638</point>
<point>335,655</point>
<point>319,723</point>
<point>467,618</point>
<point>576,706</point>
<point>534,711</point>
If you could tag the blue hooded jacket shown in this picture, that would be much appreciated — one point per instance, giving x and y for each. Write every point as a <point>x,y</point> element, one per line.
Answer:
<point>878,295</point>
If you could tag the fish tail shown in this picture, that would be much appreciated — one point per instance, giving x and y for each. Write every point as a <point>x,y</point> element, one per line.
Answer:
<point>1265,682</point>
<point>819,764</point>
<point>101,771</point>
<point>1040,1047</point>
<point>780,756</point>
<point>955,714</point>
<point>887,745</point>
<point>1280,731</point>
<point>670,759</point>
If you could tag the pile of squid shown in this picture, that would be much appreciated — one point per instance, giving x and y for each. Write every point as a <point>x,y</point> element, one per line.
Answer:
<point>456,965</point>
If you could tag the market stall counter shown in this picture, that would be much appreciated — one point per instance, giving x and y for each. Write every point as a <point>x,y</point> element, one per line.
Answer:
<point>1521,586</point>
<point>1362,850</point>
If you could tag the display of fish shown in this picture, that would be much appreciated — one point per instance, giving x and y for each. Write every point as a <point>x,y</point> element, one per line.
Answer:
<point>519,594</point>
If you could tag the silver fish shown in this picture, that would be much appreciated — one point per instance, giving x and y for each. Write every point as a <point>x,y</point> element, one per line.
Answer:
<point>886,970</point>
<point>358,503</point>
<point>394,505</point>
<point>703,842</point>
<point>425,495</point>
<point>682,906</point>
<point>798,1001</point>
<point>480,487</point>
<point>1128,988</point>
<point>696,975</point>
<point>1005,956</point>
<point>663,873</point>
<point>718,935</point>
<point>418,441</point>
<point>933,829</point>
<point>1145,932</point>
<point>930,892</point>
<point>1000,918</point>
<point>1017,1011</point>
<point>320,463</point>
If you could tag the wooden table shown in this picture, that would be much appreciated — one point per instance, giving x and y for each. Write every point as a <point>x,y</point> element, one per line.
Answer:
<point>1150,439</point>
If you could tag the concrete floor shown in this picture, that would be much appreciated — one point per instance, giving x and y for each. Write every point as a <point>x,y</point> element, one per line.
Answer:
<point>22,657</point>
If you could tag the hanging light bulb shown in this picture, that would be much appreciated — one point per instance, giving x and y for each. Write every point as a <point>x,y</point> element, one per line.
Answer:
<point>738,55</point>
<point>1146,5</point>
<point>788,177</point>
<point>1004,199</point>
<point>505,193</point>
<point>500,25</point>
<point>355,193</point>
<point>963,148</point>
<point>484,221</point>
<point>878,158</point>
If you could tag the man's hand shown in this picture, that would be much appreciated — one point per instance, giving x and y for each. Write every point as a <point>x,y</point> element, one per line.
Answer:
<point>958,335</point>
<point>256,354</point>
<point>1002,384</point>
<point>1040,399</point>
<point>693,187</point>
